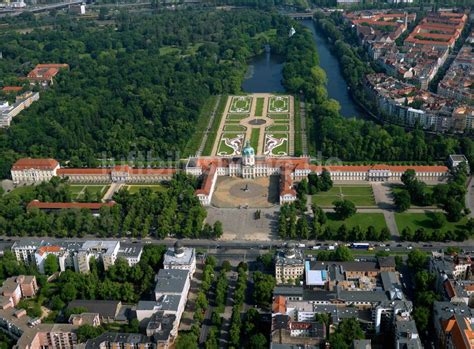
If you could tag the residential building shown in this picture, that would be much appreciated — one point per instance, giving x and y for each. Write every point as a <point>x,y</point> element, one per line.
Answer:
<point>44,74</point>
<point>180,257</point>
<point>28,170</point>
<point>109,311</point>
<point>443,313</point>
<point>456,159</point>
<point>406,335</point>
<point>160,328</point>
<point>8,112</point>
<point>92,319</point>
<point>112,340</point>
<point>458,332</point>
<point>76,255</point>
<point>289,265</point>
<point>15,288</point>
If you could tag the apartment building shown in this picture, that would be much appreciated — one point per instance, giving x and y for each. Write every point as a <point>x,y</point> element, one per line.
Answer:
<point>77,255</point>
<point>8,112</point>
<point>289,265</point>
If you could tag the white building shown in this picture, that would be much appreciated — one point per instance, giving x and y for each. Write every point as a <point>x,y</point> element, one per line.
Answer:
<point>8,112</point>
<point>106,251</point>
<point>28,170</point>
<point>180,257</point>
<point>456,159</point>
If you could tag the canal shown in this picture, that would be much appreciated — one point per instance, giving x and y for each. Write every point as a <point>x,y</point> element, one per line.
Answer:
<point>265,74</point>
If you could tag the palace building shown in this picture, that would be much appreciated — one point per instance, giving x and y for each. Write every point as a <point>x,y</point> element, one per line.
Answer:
<point>247,166</point>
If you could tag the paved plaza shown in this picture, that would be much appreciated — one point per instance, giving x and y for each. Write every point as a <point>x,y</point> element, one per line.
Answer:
<point>233,192</point>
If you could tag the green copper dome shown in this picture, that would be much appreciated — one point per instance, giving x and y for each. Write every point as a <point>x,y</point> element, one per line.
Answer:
<point>248,150</point>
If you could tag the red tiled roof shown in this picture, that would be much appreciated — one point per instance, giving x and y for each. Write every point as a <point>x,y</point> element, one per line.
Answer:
<point>45,249</point>
<point>41,164</point>
<point>207,181</point>
<point>67,205</point>
<point>45,71</point>
<point>80,171</point>
<point>12,88</point>
<point>279,305</point>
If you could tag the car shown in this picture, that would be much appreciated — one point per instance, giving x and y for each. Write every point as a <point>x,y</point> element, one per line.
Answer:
<point>382,245</point>
<point>387,249</point>
<point>399,245</point>
<point>410,247</point>
<point>316,247</point>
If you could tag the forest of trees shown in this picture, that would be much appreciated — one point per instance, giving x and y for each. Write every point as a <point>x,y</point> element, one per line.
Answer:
<point>124,93</point>
<point>174,212</point>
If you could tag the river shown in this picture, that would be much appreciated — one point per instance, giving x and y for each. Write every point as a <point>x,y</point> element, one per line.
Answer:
<point>265,74</point>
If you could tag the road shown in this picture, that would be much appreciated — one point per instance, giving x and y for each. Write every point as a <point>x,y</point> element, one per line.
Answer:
<point>244,250</point>
<point>470,196</point>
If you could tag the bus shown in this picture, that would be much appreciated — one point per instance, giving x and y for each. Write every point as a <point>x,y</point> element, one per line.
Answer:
<point>360,245</point>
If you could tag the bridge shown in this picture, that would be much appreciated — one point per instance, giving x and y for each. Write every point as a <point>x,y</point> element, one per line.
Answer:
<point>301,15</point>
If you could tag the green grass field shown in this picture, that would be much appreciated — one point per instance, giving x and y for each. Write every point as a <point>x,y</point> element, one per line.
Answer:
<point>236,116</point>
<point>254,136</point>
<point>278,116</point>
<point>77,190</point>
<point>359,195</point>
<point>423,220</point>
<point>154,187</point>
<point>277,128</point>
<point>364,220</point>
<point>278,104</point>
<point>259,106</point>
<point>240,104</point>
<point>234,128</point>
<point>281,122</point>
<point>281,148</point>
<point>297,128</point>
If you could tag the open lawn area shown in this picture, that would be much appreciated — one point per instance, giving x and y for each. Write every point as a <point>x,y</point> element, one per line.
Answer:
<point>78,190</point>
<point>259,106</point>
<point>154,187</point>
<point>279,116</point>
<point>254,136</point>
<point>423,220</point>
<point>22,190</point>
<point>359,195</point>
<point>364,220</point>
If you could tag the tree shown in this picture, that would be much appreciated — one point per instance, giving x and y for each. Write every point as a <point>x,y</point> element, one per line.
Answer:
<point>421,316</point>
<point>344,209</point>
<point>186,341</point>
<point>417,259</point>
<point>263,288</point>
<point>438,220</point>
<point>408,177</point>
<point>217,229</point>
<point>85,332</point>
<point>267,260</point>
<point>257,341</point>
<point>325,180</point>
<point>226,266</point>
<point>343,254</point>
<point>454,210</point>
<point>402,200</point>
<point>51,264</point>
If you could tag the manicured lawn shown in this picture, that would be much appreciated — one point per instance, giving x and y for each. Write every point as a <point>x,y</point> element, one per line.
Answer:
<point>283,122</point>
<point>278,116</point>
<point>237,116</point>
<point>93,189</point>
<point>154,187</point>
<point>241,104</point>
<point>259,106</point>
<point>281,148</point>
<point>278,104</point>
<point>224,149</point>
<point>165,50</point>
<point>359,195</point>
<point>22,190</point>
<point>277,128</point>
<point>364,220</point>
<point>254,136</point>
<point>235,128</point>
<point>298,142</point>
<point>423,220</point>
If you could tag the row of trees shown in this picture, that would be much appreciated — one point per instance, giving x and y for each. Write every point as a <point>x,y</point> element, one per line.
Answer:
<point>173,212</point>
